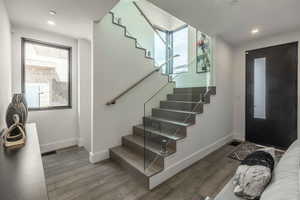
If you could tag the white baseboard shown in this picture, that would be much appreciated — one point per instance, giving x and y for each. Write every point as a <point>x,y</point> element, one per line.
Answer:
<point>181,165</point>
<point>58,145</point>
<point>99,156</point>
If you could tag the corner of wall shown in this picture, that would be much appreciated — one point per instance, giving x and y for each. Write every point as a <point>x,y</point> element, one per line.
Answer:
<point>5,62</point>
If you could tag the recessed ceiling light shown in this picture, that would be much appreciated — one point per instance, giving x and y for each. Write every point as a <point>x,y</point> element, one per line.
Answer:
<point>51,23</point>
<point>255,31</point>
<point>52,12</point>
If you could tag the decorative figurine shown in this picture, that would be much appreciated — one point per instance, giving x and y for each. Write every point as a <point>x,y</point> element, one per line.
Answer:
<point>16,116</point>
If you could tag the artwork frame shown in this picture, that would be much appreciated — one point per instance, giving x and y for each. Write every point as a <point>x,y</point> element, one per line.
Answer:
<point>203,53</point>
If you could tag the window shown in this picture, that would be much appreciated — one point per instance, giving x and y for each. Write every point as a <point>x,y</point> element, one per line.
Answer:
<point>260,88</point>
<point>180,47</point>
<point>177,41</point>
<point>160,49</point>
<point>46,75</point>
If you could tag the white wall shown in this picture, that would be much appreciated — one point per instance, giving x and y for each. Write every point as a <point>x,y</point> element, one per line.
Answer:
<point>239,76</point>
<point>117,64</point>
<point>5,63</point>
<point>56,128</point>
<point>84,93</point>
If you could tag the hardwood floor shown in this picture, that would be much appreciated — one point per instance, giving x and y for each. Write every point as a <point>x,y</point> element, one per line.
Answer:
<point>70,176</point>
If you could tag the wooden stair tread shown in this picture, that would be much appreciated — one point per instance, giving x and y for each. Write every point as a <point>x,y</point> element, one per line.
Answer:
<point>188,102</point>
<point>135,160</point>
<point>169,121</point>
<point>156,132</point>
<point>150,145</point>
<point>186,94</point>
<point>212,89</point>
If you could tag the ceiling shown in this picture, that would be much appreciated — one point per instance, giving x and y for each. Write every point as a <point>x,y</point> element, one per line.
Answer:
<point>233,20</point>
<point>73,17</point>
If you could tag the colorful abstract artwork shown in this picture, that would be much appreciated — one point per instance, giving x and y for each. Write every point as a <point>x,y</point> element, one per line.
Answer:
<point>204,53</point>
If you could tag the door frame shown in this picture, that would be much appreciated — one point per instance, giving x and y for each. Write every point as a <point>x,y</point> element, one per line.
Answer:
<point>247,81</point>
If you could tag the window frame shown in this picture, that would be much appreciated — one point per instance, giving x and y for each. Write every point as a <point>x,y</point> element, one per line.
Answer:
<point>23,75</point>
<point>169,52</point>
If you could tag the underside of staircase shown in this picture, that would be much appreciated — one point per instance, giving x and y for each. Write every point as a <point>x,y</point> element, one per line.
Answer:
<point>169,122</point>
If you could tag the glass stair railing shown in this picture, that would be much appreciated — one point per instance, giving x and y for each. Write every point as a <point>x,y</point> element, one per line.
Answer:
<point>128,14</point>
<point>174,107</point>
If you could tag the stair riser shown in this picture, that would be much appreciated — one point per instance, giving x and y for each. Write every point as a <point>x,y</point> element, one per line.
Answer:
<point>181,117</point>
<point>154,137</point>
<point>199,90</point>
<point>133,171</point>
<point>194,107</point>
<point>166,127</point>
<point>184,97</point>
<point>149,155</point>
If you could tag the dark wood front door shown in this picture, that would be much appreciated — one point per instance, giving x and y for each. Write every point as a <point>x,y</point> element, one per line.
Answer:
<point>271,95</point>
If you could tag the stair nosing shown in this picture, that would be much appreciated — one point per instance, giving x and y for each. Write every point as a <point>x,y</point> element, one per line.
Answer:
<point>179,111</point>
<point>186,94</point>
<point>163,134</point>
<point>179,123</point>
<point>176,101</point>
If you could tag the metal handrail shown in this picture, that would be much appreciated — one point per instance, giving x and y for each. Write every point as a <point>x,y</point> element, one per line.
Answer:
<point>114,100</point>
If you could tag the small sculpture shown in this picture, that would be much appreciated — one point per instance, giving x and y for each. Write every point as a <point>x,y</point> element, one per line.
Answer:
<point>16,116</point>
<point>17,106</point>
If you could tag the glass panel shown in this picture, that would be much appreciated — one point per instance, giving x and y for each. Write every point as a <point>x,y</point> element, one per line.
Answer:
<point>156,120</point>
<point>180,47</point>
<point>157,130</point>
<point>260,88</point>
<point>160,48</point>
<point>46,76</point>
<point>128,15</point>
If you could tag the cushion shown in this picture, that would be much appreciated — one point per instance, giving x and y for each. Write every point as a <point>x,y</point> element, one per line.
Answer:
<point>254,174</point>
<point>285,182</point>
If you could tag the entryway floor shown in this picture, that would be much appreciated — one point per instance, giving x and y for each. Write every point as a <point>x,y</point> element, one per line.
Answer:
<point>70,176</point>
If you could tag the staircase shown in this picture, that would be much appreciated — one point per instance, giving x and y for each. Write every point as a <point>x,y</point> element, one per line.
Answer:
<point>157,143</point>
<point>141,153</point>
